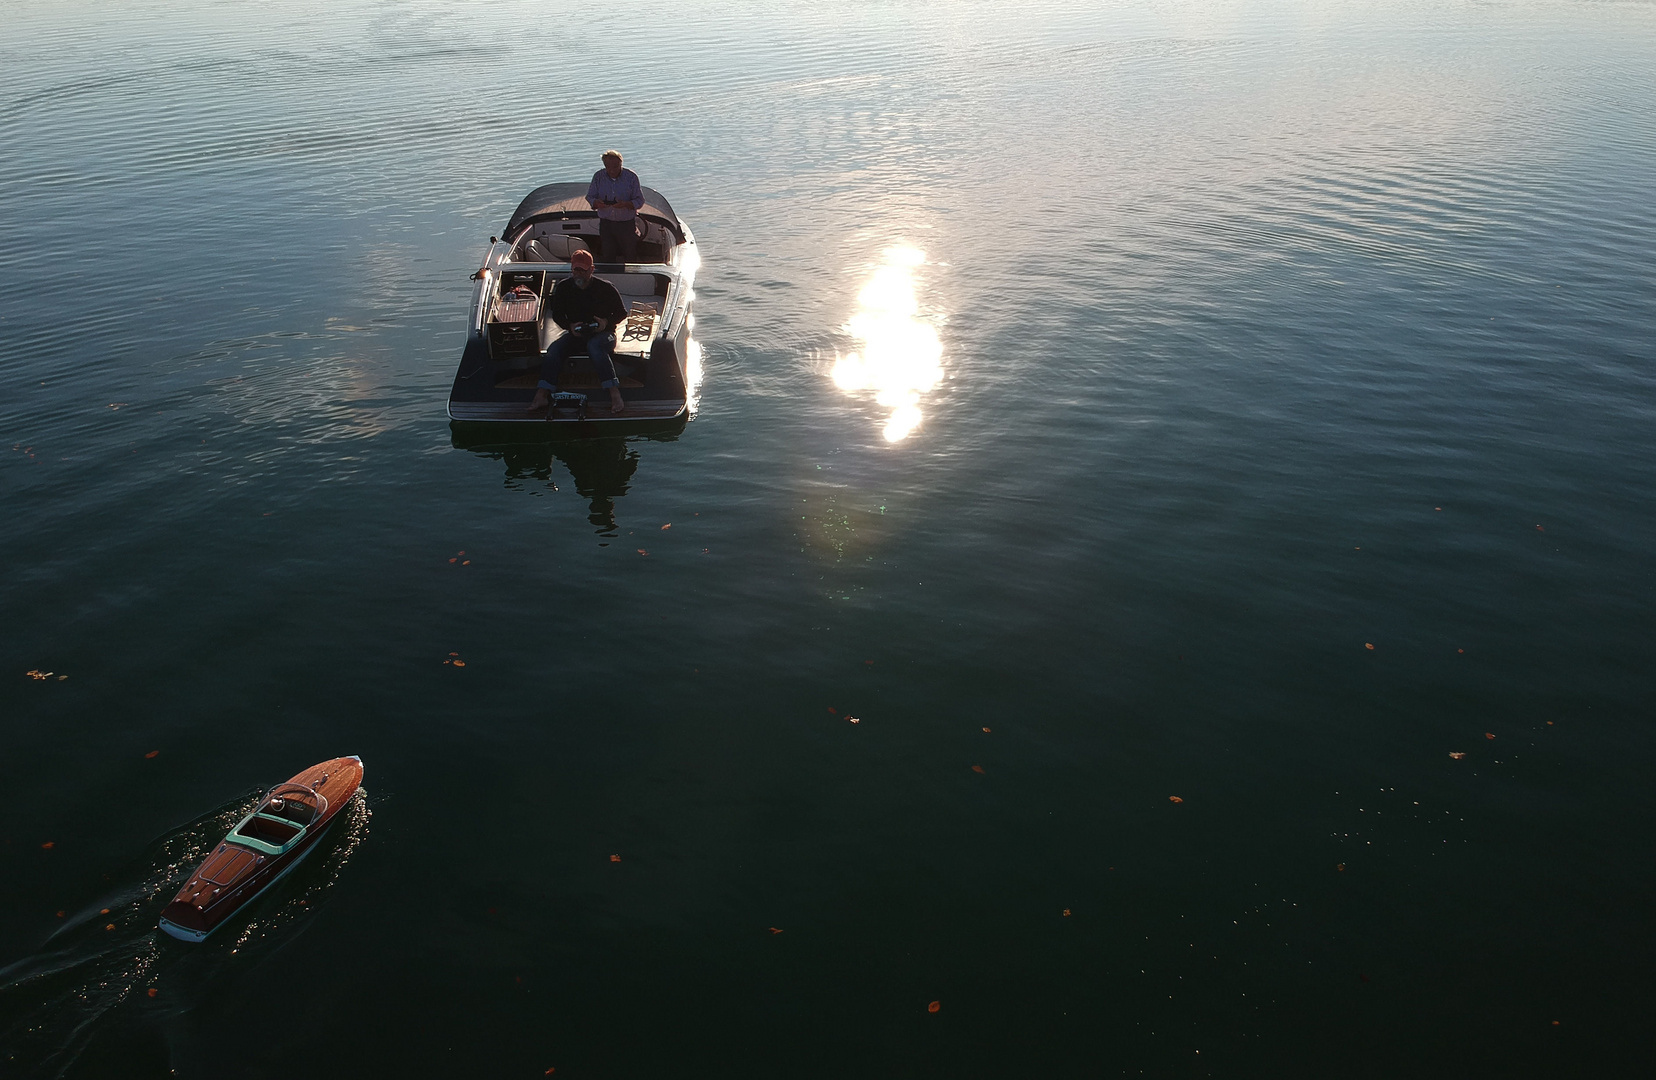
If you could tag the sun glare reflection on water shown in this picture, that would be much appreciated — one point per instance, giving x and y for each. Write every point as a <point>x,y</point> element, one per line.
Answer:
<point>901,355</point>
<point>692,375</point>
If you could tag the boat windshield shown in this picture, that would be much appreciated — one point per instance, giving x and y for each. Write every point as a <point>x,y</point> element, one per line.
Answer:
<point>293,803</point>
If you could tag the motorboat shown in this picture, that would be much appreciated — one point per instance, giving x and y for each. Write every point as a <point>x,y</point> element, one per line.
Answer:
<point>272,839</point>
<point>510,328</point>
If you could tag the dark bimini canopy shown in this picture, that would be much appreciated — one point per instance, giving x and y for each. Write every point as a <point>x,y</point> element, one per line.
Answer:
<point>569,200</point>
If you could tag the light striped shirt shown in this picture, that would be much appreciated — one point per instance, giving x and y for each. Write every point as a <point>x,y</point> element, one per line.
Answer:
<point>624,189</point>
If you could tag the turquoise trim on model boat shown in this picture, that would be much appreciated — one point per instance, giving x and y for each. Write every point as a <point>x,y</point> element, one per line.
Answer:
<point>183,933</point>
<point>236,836</point>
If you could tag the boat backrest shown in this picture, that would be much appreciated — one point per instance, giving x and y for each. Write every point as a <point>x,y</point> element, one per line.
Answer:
<point>533,251</point>
<point>653,232</point>
<point>545,244</point>
<point>636,285</point>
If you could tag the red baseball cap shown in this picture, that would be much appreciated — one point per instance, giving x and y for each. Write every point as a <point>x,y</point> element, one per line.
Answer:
<point>581,257</point>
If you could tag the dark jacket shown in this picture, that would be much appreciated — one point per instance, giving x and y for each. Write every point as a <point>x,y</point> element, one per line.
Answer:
<point>572,304</point>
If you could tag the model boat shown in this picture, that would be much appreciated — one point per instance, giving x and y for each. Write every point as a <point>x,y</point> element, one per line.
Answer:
<point>510,328</point>
<point>285,827</point>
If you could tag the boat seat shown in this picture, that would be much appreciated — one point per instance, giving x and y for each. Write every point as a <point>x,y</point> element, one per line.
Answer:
<point>532,250</point>
<point>267,833</point>
<point>543,245</point>
<point>636,286</point>
<point>632,287</point>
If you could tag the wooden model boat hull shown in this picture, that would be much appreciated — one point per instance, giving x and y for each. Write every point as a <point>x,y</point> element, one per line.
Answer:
<point>263,847</point>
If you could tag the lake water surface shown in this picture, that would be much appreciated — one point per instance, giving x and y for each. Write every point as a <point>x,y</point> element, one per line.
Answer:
<point>1207,447</point>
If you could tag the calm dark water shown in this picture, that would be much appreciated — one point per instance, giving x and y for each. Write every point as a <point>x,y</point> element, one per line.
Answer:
<point>1243,337</point>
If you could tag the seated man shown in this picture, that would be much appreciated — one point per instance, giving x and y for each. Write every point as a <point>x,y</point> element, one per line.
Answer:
<point>588,309</point>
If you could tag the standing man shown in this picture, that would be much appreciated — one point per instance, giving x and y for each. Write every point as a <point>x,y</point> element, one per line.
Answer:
<point>588,309</point>
<point>618,197</point>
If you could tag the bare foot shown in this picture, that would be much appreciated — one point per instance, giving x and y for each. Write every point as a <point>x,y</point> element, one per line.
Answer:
<point>539,402</point>
<point>616,404</point>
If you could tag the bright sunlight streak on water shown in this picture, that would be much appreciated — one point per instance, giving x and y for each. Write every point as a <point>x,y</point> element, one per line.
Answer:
<point>901,356</point>
<point>693,376</point>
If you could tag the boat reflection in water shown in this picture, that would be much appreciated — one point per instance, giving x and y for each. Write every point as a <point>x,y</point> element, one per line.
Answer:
<point>602,466</point>
<point>900,355</point>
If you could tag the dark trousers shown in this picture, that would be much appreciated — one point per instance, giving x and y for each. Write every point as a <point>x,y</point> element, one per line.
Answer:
<point>619,239</point>
<point>597,347</point>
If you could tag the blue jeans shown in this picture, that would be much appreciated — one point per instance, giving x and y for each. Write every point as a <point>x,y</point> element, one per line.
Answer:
<point>597,349</point>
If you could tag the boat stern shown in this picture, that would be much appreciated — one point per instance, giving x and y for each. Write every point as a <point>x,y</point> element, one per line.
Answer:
<point>185,923</point>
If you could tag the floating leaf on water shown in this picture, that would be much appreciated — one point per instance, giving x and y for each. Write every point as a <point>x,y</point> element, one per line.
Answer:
<point>151,754</point>
<point>775,930</point>
<point>1174,798</point>
<point>37,674</point>
<point>1066,913</point>
<point>641,551</point>
<point>48,845</point>
<point>870,663</point>
<point>109,926</point>
<point>667,526</point>
<point>977,768</point>
<point>1457,754</point>
<point>454,560</point>
<point>459,663</point>
<point>454,654</point>
<point>986,731</point>
<point>615,858</point>
<point>60,914</point>
<point>152,991</point>
<point>466,563</point>
<point>854,719</point>
<point>1339,866</point>
<point>934,1006</point>
<point>105,911</point>
<point>1368,645</point>
<point>1489,734</point>
<point>1460,650</point>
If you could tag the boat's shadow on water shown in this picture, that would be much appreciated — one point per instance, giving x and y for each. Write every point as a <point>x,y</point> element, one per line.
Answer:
<point>602,468</point>
<point>109,953</point>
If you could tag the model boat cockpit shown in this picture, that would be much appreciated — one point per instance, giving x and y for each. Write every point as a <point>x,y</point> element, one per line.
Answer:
<point>282,819</point>
<point>511,327</point>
